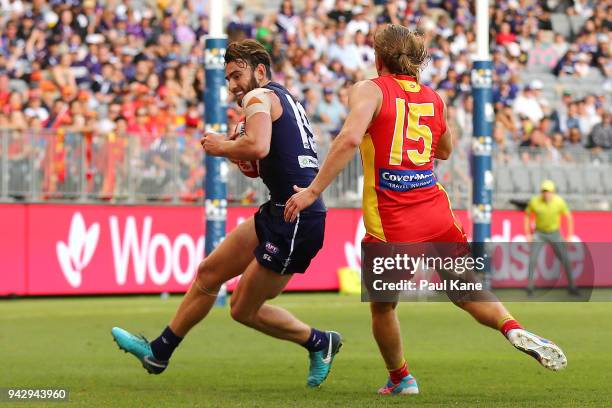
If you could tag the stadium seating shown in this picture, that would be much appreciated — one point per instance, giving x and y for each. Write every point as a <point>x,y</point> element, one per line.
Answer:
<point>561,24</point>
<point>161,163</point>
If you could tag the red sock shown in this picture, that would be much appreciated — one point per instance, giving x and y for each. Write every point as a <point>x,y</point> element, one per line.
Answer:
<point>508,323</point>
<point>399,373</point>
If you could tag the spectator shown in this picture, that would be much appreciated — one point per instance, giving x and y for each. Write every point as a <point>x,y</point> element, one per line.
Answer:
<point>542,53</point>
<point>436,70</point>
<point>19,155</point>
<point>535,138</point>
<point>582,66</point>
<point>288,21</point>
<point>238,26</point>
<point>35,108</point>
<point>581,8</point>
<point>558,142</point>
<point>465,83</point>
<point>575,146</point>
<point>505,36</point>
<point>293,87</point>
<point>311,12</point>
<point>62,74</point>
<point>443,28</point>
<point>546,126</point>
<point>587,118</point>
<point>358,23</point>
<point>573,119</point>
<point>602,56</point>
<point>186,37</point>
<point>499,64</point>
<point>111,160</point>
<point>503,97</point>
<point>263,31</point>
<point>346,54</point>
<point>551,153</point>
<point>16,117</point>
<point>600,138</point>
<point>458,40</point>
<point>318,40</point>
<point>505,119</point>
<point>527,103</point>
<point>364,50</point>
<point>310,102</point>
<point>560,45</point>
<point>140,126</point>
<point>340,12</point>
<point>464,115</point>
<point>560,115</point>
<point>501,150</point>
<point>330,111</point>
<point>565,65</point>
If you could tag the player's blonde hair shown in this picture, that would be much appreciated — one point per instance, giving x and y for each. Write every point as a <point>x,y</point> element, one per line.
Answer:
<point>401,50</point>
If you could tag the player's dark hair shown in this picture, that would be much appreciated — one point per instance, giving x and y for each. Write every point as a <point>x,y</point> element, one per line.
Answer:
<point>402,51</point>
<point>249,52</point>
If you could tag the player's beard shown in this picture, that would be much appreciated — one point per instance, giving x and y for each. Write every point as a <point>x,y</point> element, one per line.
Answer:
<point>252,85</point>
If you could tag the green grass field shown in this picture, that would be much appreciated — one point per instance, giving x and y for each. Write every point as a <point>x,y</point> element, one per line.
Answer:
<point>67,343</point>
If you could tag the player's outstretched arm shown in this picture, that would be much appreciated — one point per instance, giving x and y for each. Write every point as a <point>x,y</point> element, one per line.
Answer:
<point>255,144</point>
<point>364,102</point>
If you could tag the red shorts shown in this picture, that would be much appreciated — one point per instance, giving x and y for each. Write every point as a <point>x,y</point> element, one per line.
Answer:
<point>451,243</point>
<point>453,234</point>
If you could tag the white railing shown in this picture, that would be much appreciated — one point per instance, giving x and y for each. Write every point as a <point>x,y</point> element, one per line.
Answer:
<point>52,165</point>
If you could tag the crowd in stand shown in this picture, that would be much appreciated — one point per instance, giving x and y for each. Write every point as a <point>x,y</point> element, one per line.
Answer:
<point>112,68</point>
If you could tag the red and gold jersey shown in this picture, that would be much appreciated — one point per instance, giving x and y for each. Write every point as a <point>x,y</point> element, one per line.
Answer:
<point>402,201</point>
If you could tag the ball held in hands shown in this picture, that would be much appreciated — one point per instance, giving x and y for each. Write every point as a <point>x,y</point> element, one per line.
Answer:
<point>249,168</point>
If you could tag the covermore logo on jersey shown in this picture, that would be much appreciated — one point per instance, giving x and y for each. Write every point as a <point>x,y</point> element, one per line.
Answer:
<point>404,180</point>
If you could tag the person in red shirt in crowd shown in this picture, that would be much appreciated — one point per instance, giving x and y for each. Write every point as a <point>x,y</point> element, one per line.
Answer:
<point>505,36</point>
<point>158,118</point>
<point>112,159</point>
<point>4,90</point>
<point>140,126</point>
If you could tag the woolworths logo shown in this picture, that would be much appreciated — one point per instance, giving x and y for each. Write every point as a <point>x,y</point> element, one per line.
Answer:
<point>74,256</point>
<point>137,252</point>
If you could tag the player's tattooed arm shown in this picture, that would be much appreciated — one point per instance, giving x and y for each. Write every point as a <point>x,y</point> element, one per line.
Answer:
<point>260,108</point>
<point>362,110</point>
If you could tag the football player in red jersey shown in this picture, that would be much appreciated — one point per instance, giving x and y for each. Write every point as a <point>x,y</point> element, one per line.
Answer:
<point>400,126</point>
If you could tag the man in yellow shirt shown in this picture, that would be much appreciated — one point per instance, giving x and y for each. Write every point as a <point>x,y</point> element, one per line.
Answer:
<point>548,208</point>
